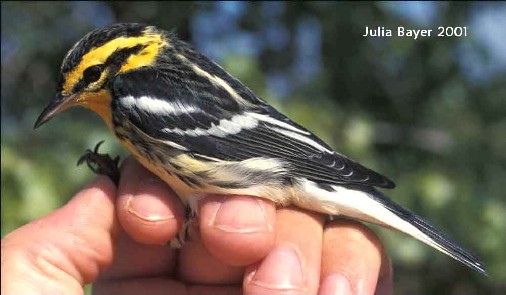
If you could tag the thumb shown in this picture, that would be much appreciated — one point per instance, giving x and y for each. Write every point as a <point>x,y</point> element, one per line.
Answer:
<point>63,251</point>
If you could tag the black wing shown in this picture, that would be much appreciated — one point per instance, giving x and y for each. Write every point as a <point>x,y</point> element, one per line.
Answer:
<point>216,131</point>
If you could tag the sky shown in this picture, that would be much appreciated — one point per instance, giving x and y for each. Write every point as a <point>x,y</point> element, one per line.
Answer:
<point>217,33</point>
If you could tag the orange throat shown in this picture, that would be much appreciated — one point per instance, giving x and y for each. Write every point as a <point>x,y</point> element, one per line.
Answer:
<point>99,102</point>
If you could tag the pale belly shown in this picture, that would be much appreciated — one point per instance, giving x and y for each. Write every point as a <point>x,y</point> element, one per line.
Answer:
<point>190,195</point>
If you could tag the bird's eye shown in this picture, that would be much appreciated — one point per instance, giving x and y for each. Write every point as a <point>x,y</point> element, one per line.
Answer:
<point>92,74</point>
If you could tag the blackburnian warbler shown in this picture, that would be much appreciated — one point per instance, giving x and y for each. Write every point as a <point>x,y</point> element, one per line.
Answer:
<point>202,131</point>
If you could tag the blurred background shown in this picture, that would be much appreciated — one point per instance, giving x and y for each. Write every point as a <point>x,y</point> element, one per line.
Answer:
<point>429,113</point>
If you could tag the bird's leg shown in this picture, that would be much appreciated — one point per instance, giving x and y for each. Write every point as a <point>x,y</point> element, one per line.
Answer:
<point>184,234</point>
<point>101,163</point>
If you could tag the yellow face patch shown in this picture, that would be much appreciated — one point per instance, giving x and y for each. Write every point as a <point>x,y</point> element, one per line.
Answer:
<point>99,55</point>
<point>143,58</point>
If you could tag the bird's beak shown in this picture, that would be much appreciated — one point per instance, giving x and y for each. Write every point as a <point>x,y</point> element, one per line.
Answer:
<point>59,104</point>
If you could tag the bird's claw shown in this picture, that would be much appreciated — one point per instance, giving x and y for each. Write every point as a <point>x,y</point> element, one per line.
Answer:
<point>101,163</point>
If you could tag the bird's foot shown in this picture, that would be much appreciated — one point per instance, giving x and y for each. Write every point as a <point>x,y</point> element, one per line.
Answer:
<point>101,163</point>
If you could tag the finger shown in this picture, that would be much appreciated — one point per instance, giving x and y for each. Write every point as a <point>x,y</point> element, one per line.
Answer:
<point>238,230</point>
<point>64,250</point>
<point>162,286</point>
<point>293,264</point>
<point>385,284</point>
<point>148,210</point>
<point>197,265</point>
<point>134,260</point>
<point>150,215</point>
<point>352,256</point>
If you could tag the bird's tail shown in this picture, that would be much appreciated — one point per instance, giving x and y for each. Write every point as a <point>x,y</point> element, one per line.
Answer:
<point>432,236</point>
<point>368,204</point>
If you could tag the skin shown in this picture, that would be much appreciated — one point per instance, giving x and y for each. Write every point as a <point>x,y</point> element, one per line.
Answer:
<point>116,238</point>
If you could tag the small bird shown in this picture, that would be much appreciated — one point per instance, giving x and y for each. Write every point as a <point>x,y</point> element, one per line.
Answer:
<point>202,131</point>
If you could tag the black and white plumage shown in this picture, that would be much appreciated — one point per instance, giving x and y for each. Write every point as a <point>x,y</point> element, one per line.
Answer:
<point>281,154</point>
<point>203,131</point>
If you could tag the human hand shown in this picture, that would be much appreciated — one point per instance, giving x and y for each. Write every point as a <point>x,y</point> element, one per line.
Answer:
<point>72,246</point>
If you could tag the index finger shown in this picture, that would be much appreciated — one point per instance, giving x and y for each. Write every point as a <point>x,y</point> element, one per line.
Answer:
<point>148,210</point>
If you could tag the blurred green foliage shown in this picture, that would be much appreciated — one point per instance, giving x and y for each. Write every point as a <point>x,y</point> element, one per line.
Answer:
<point>429,113</point>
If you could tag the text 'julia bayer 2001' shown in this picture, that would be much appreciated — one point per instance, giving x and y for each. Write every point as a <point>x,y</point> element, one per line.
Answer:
<point>416,33</point>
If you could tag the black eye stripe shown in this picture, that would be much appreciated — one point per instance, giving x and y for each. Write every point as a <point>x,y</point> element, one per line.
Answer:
<point>92,74</point>
<point>118,57</point>
<point>113,63</point>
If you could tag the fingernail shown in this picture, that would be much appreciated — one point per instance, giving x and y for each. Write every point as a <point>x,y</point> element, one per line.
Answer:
<point>282,269</point>
<point>335,284</point>
<point>146,205</point>
<point>240,215</point>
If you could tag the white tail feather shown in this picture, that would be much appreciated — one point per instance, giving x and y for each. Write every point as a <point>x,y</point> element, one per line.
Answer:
<point>362,205</point>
